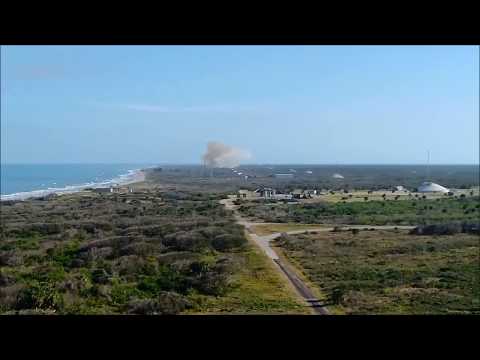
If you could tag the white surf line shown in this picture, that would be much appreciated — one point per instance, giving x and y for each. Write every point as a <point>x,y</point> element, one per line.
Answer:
<point>131,177</point>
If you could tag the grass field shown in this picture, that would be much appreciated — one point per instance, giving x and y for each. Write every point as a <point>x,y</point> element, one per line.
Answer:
<point>388,272</point>
<point>360,195</point>
<point>256,288</point>
<point>386,212</point>
<point>268,229</point>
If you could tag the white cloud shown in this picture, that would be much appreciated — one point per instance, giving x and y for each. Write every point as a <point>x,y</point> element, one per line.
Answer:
<point>39,72</point>
<point>149,108</point>
<point>189,109</point>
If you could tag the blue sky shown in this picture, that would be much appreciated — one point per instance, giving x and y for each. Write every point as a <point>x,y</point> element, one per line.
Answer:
<point>284,104</point>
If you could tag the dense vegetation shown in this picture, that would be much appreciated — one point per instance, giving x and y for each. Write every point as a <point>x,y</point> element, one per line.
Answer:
<point>401,212</point>
<point>172,248</point>
<point>391,272</point>
<point>148,252</point>
<point>367,177</point>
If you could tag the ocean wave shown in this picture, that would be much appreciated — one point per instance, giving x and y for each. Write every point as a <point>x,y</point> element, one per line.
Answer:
<point>132,176</point>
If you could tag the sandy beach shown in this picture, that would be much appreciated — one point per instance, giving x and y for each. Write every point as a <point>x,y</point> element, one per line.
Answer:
<point>131,177</point>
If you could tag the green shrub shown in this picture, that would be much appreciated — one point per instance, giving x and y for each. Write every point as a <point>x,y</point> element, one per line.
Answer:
<point>64,254</point>
<point>228,241</point>
<point>42,295</point>
<point>122,293</point>
<point>166,303</point>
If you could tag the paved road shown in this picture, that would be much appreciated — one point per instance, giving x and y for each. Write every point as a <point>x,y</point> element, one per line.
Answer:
<point>264,243</point>
<point>302,289</point>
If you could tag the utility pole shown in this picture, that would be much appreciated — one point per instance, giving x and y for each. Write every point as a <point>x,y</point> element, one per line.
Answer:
<point>428,179</point>
<point>428,165</point>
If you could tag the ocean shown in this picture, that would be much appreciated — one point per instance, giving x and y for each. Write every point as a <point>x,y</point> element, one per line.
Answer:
<point>21,181</point>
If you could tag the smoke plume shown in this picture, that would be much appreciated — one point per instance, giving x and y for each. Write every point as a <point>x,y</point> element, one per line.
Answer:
<point>219,155</point>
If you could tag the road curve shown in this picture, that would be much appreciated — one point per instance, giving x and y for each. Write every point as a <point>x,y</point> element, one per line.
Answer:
<point>264,243</point>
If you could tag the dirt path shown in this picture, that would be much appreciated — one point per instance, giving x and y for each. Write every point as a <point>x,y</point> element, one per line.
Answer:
<point>264,243</point>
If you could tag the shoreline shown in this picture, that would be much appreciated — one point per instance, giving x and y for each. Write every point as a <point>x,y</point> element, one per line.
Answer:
<point>131,177</point>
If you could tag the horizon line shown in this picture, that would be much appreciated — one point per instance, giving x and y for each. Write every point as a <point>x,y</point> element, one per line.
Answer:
<point>246,164</point>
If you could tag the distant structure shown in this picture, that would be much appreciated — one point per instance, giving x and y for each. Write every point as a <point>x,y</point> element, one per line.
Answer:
<point>122,189</point>
<point>263,192</point>
<point>244,194</point>
<point>103,190</point>
<point>282,196</point>
<point>266,193</point>
<point>303,194</point>
<point>283,176</point>
<point>309,172</point>
<point>337,176</point>
<point>297,193</point>
<point>113,189</point>
<point>430,187</point>
<point>270,193</point>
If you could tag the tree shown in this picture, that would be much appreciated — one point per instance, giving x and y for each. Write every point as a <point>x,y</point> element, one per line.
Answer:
<point>336,296</point>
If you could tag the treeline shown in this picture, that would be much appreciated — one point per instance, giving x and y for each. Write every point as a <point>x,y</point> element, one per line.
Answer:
<point>404,212</point>
<point>362,177</point>
<point>448,229</point>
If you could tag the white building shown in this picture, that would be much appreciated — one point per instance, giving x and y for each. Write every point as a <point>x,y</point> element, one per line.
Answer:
<point>282,196</point>
<point>266,193</point>
<point>103,190</point>
<point>429,187</point>
<point>283,176</point>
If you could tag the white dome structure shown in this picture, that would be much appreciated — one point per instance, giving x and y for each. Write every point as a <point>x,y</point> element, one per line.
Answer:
<point>337,176</point>
<point>428,187</point>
